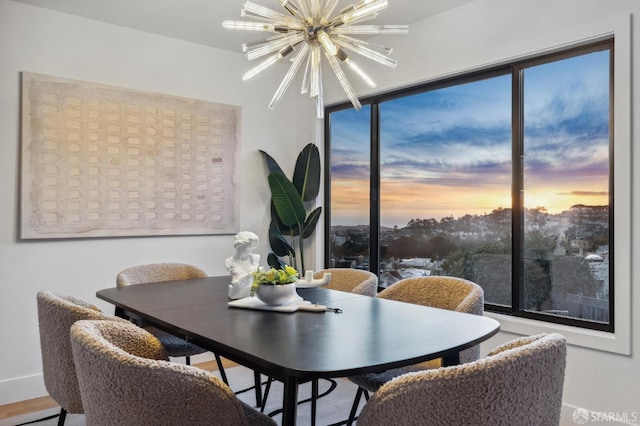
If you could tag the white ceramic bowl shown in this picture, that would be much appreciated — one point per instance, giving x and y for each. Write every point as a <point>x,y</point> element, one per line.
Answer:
<point>275,295</point>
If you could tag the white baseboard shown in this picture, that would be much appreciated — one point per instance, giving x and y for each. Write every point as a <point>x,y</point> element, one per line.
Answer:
<point>22,388</point>
<point>29,387</point>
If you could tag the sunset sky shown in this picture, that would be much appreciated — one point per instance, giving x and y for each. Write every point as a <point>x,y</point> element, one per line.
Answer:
<point>448,151</point>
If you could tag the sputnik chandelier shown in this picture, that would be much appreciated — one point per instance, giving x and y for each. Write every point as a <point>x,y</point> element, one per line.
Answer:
<point>306,32</point>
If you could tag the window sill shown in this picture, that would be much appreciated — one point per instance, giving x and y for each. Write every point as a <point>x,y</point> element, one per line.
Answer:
<point>618,342</point>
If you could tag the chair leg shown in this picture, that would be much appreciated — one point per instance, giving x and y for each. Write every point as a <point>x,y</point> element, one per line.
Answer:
<point>223,375</point>
<point>356,402</point>
<point>63,416</point>
<point>257,380</point>
<point>314,400</point>
<point>315,395</point>
<point>266,395</point>
<point>188,360</point>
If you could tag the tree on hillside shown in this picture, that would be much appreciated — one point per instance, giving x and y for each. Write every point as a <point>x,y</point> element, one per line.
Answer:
<point>571,275</point>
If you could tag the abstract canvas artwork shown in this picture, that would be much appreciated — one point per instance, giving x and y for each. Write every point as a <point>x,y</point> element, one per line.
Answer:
<point>100,161</point>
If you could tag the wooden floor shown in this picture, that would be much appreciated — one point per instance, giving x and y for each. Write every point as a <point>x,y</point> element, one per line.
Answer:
<point>44,402</point>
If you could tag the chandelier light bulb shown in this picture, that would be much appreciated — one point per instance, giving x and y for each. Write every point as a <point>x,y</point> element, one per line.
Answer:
<point>326,43</point>
<point>309,30</point>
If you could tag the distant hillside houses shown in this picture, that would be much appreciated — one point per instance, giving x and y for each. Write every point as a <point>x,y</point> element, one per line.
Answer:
<point>424,245</point>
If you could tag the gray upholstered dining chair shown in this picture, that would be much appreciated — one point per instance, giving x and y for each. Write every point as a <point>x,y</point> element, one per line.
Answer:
<point>56,314</point>
<point>454,294</point>
<point>355,281</point>
<point>176,347</point>
<point>518,383</point>
<point>125,378</point>
<point>156,272</point>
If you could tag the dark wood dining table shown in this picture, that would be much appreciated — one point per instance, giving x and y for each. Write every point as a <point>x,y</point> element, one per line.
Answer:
<point>369,335</point>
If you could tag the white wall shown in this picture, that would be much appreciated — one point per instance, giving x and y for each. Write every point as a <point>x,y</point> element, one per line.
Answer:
<point>603,370</point>
<point>37,40</point>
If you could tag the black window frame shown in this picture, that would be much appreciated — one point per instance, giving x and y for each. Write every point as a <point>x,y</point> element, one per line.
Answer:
<point>515,69</point>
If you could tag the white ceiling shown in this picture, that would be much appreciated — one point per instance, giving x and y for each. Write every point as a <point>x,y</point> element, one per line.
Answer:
<point>200,21</point>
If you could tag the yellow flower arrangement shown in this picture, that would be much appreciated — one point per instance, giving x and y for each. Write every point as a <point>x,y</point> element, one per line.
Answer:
<point>286,275</point>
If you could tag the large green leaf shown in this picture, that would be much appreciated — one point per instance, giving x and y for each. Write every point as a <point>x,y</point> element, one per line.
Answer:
<point>272,165</point>
<point>277,223</point>
<point>278,243</point>
<point>286,200</point>
<point>306,175</point>
<point>274,262</point>
<point>310,222</point>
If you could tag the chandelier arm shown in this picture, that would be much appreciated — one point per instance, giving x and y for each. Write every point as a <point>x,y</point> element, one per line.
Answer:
<point>292,7</point>
<point>274,45</point>
<point>362,43</point>
<point>267,63</point>
<point>356,69</point>
<point>359,11</point>
<point>367,53</point>
<point>328,8</point>
<point>337,23</point>
<point>256,44</point>
<point>289,24</point>
<point>316,79</point>
<point>286,81</point>
<point>316,9</point>
<point>320,98</point>
<point>370,29</point>
<point>344,82</point>
<point>304,9</point>
<point>255,26</point>
<point>306,78</point>
<point>249,15</point>
<point>266,12</point>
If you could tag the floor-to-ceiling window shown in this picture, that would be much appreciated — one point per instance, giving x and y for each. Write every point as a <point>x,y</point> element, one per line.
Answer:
<point>350,165</point>
<point>501,176</point>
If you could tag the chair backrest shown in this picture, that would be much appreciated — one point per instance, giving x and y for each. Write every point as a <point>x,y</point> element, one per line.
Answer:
<point>158,272</point>
<point>56,314</point>
<point>351,280</point>
<point>451,293</point>
<point>125,379</point>
<point>519,383</point>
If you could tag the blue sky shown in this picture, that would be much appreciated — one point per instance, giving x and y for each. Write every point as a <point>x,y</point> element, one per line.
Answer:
<point>448,151</point>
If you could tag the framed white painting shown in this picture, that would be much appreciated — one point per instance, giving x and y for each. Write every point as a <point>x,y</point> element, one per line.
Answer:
<point>103,161</point>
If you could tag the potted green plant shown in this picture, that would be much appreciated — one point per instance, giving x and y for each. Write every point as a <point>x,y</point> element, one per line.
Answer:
<point>274,286</point>
<point>291,224</point>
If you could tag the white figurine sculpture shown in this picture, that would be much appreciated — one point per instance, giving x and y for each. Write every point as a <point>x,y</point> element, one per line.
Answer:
<point>242,264</point>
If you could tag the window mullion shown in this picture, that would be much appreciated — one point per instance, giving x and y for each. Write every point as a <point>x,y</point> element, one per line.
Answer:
<point>374,192</point>
<point>517,212</point>
<point>327,188</point>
